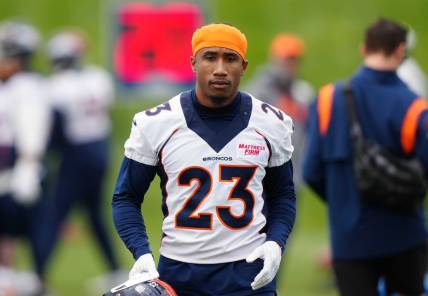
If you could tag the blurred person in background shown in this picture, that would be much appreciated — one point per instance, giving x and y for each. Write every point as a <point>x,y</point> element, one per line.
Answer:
<point>81,97</point>
<point>369,239</point>
<point>24,130</point>
<point>412,74</point>
<point>410,71</point>
<point>224,159</point>
<point>278,83</point>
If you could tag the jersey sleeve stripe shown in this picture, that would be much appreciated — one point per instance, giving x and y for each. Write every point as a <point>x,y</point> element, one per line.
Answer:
<point>267,144</point>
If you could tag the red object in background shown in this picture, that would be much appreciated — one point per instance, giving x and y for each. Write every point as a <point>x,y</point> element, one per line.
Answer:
<point>155,41</point>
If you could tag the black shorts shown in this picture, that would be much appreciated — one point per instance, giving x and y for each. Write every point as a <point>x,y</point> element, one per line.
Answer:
<point>403,273</point>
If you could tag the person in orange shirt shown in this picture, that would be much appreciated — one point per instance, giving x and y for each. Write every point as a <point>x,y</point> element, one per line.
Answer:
<point>278,83</point>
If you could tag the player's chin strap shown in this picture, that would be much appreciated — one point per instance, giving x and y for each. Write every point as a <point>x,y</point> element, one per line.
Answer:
<point>137,279</point>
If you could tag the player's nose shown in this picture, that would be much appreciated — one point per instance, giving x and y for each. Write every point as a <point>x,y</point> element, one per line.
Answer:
<point>220,68</point>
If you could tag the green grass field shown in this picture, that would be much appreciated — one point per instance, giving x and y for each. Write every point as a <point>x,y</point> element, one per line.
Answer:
<point>333,31</point>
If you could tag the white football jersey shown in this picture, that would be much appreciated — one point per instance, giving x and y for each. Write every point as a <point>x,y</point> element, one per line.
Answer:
<point>84,98</point>
<point>6,129</point>
<point>211,182</point>
<point>24,119</point>
<point>29,112</point>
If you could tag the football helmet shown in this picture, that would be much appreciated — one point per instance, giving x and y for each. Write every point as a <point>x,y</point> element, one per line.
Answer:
<point>134,287</point>
<point>17,39</point>
<point>66,45</point>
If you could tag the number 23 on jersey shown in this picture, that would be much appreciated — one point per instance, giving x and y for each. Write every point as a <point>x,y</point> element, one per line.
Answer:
<point>188,216</point>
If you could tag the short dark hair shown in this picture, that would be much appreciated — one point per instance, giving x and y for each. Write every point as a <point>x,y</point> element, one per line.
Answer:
<point>384,36</point>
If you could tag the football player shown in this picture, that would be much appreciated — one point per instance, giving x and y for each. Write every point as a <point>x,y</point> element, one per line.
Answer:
<point>24,130</point>
<point>223,158</point>
<point>81,96</point>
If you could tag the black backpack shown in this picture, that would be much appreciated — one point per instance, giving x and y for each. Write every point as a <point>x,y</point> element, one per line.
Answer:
<point>383,178</point>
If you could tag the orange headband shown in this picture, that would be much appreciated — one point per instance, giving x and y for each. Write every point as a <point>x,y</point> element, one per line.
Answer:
<point>219,35</point>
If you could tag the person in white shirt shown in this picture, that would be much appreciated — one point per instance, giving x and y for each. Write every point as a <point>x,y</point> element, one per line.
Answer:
<point>24,131</point>
<point>81,97</point>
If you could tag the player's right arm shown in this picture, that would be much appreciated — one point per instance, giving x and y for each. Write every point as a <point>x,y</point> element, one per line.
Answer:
<point>137,172</point>
<point>133,182</point>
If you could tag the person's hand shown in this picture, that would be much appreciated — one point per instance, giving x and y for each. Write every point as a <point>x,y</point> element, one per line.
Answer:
<point>144,269</point>
<point>25,181</point>
<point>270,252</point>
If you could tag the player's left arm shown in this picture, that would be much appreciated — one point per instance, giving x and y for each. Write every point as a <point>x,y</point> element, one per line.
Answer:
<point>281,203</point>
<point>278,185</point>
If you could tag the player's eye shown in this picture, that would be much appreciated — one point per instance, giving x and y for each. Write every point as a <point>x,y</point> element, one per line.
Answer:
<point>231,58</point>
<point>210,57</point>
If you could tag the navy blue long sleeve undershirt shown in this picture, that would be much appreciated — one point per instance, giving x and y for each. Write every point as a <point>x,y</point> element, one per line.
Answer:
<point>280,199</point>
<point>131,186</point>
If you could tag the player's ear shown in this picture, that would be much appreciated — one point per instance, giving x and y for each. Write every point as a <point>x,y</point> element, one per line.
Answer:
<point>400,51</point>
<point>193,63</point>
<point>244,66</point>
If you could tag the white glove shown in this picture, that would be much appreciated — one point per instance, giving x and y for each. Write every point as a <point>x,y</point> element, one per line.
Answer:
<point>25,181</point>
<point>144,269</point>
<point>270,252</point>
